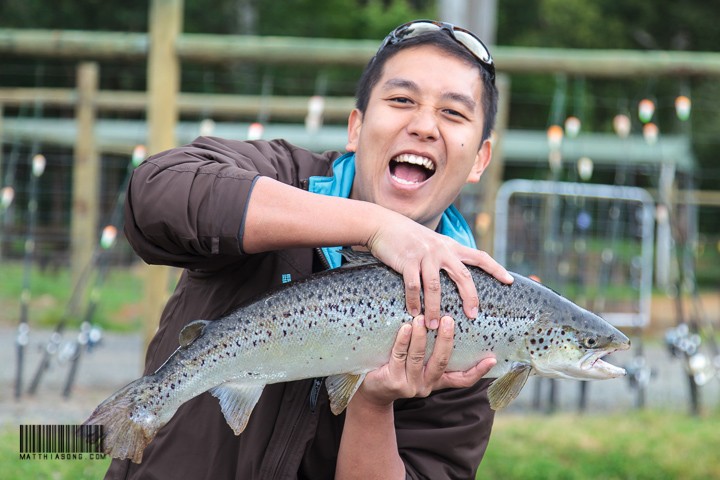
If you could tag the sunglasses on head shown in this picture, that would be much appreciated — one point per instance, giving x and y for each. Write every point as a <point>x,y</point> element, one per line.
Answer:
<point>464,37</point>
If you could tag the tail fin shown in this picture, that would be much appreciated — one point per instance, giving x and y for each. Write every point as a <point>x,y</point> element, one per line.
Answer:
<point>128,427</point>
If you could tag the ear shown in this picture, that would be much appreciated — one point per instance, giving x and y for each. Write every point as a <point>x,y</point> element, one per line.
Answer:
<point>354,127</point>
<point>482,160</point>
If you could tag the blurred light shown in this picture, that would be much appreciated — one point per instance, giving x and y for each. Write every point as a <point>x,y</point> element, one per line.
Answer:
<point>585,168</point>
<point>650,132</point>
<point>584,221</point>
<point>8,193</point>
<point>661,213</point>
<point>207,127</point>
<point>621,124</point>
<point>314,118</point>
<point>646,110</point>
<point>138,155</point>
<point>572,126</point>
<point>482,223</point>
<point>38,165</point>
<point>555,136</point>
<point>108,236</point>
<point>682,107</point>
<point>555,160</point>
<point>255,131</point>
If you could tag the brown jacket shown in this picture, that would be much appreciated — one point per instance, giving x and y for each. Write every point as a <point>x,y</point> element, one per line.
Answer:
<point>185,208</point>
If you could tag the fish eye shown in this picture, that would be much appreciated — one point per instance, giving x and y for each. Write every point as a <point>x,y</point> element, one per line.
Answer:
<point>590,342</point>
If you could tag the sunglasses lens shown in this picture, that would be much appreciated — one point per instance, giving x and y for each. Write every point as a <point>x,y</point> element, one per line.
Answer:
<point>472,44</point>
<point>418,28</point>
<point>465,38</point>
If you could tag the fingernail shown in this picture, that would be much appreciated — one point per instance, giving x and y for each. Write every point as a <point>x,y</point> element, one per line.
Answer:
<point>434,324</point>
<point>447,325</point>
<point>414,312</point>
<point>419,321</point>
<point>474,312</point>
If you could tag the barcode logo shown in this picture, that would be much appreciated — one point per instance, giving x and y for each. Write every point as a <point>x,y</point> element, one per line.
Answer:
<point>61,439</point>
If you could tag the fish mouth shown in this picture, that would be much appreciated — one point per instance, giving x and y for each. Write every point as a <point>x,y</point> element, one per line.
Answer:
<point>411,169</point>
<point>595,367</point>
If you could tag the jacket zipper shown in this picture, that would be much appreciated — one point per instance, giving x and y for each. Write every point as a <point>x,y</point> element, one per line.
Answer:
<point>315,393</point>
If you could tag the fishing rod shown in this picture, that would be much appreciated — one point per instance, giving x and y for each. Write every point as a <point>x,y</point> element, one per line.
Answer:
<point>7,194</point>
<point>21,340</point>
<point>71,310</point>
<point>685,341</point>
<point>52,346</point>
<point>90,335</point>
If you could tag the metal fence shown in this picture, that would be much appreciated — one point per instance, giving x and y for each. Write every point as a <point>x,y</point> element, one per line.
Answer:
<point>592,243</point>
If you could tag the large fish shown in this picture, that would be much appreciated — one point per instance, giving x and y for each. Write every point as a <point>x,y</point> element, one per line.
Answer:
<point>341,324</point>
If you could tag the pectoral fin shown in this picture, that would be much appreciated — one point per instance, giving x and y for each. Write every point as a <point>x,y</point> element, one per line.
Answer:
<point>506,388</point>
<point>237,402</point>
<point>341,388</point>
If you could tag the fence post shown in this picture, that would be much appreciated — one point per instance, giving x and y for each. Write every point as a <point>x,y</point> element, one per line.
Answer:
<point>162,114</point>
<point>86,173</point>
<point>494,174</point>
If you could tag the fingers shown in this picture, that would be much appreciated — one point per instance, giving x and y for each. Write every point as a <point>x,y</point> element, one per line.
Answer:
<point>431,293</point>
<point>466,288</point>
<point>468,377</point>
<point>486,262</point>
<point>411,278</point>
<point>440,357</point>
<point>416,353</point>
<point>408,375</point>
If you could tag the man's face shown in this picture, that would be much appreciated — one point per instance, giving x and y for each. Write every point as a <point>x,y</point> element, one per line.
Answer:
<point>419,141</point>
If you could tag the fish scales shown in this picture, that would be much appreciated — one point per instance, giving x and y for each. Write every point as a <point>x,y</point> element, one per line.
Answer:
<point>342,324</point>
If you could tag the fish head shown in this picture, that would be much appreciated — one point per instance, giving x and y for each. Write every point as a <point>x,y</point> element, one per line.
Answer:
<point>573,348</point>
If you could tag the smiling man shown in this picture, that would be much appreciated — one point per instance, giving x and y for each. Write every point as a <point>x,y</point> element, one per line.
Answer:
<point>231,214</point>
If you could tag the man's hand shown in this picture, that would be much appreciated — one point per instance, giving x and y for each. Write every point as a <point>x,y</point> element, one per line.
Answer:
<point>419,254</point>
<point>407,375</point>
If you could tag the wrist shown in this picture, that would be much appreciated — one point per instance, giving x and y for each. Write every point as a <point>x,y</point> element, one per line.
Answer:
<point>361,404</point>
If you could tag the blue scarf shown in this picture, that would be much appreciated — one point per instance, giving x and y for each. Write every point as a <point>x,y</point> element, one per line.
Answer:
<point>451,224</point>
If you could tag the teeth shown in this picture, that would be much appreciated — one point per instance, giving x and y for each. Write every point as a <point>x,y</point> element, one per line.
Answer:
<point>403,181</point>
<point>416,160</point>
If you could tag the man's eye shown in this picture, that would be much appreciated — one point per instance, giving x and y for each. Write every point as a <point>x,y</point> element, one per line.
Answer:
<point>400,100</point>
<point>454,113</point>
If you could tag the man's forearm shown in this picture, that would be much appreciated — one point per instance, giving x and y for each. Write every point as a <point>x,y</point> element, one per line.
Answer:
<point>368,448</point>
<point>281,216</point>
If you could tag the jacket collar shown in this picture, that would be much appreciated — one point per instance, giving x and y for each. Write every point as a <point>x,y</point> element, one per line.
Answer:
<point>340,183</point>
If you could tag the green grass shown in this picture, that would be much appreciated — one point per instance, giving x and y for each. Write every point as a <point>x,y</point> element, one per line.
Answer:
<point>117,308</point>
<point>650,445</point>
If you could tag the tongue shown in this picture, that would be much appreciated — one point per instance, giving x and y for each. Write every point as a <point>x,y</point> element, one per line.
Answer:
<point>410,173</point>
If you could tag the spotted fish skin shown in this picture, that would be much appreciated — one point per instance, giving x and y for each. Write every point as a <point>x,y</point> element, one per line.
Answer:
<point>342,324</point>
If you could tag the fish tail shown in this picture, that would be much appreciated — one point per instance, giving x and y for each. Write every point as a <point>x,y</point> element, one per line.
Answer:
<point>126,429</point>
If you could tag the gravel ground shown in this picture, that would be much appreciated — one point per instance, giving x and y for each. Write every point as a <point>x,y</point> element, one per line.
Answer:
<point>118,360</point>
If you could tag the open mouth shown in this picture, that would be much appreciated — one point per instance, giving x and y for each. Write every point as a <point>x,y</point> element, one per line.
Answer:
<point>409,169</point>
<point>593,363</point>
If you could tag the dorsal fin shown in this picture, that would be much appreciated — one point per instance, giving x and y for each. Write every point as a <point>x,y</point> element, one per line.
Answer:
<point>192,331</point>
<point>355,258</point>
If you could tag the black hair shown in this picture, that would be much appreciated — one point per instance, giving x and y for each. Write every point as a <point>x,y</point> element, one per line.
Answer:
<point>440,39</point>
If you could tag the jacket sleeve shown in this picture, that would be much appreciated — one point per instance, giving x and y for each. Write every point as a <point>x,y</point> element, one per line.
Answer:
<point>445,435</point>
<point>185,207</point>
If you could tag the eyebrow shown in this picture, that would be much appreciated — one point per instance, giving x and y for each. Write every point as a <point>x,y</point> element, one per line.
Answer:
<point>466,100</point>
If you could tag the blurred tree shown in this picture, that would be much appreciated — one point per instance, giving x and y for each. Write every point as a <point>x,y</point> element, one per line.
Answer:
<point>606,24</point>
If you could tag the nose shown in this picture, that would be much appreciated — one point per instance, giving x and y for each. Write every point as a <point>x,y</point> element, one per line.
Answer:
<point>423,125</point>
<point>620,339</point>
